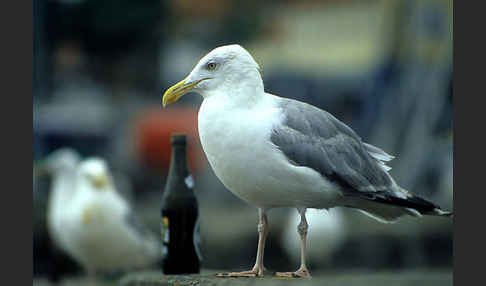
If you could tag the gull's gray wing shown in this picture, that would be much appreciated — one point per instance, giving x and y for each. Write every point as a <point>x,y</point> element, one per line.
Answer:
<point>314,138</point>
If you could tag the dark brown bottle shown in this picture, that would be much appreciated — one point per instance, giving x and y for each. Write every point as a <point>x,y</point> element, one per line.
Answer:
<point>179,215</point>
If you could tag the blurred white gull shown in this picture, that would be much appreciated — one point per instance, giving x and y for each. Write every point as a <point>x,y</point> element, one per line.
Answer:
<point>327,235</point>
<point>61,164</point>
<point>97,226</point>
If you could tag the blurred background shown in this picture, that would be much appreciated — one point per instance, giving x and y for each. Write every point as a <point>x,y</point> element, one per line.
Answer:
<point>382,67</point>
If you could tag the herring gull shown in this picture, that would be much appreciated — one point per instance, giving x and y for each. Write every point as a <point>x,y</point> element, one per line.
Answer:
<point>91,221</point>
<point>277,152</point>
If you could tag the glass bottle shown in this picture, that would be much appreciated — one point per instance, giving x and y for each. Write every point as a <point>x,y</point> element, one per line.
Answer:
<point>179,215</point>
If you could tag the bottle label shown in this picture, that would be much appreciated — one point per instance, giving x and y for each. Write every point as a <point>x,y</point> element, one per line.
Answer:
<point>164,232</point>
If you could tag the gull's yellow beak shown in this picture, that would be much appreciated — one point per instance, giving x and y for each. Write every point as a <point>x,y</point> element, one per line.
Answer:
<point>100,181</point>
<point>175,92</point>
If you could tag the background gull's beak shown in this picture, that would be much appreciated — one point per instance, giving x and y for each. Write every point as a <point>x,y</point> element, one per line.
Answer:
<point>100,182</point>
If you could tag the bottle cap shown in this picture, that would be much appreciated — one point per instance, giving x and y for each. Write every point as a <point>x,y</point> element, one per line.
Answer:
<point>178,139</point>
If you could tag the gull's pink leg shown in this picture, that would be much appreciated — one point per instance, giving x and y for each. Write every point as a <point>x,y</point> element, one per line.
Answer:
<point>257,270</point>
<point>302,272</point>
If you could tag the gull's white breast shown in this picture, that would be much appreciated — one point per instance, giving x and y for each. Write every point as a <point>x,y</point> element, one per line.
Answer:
<point>236,141</point>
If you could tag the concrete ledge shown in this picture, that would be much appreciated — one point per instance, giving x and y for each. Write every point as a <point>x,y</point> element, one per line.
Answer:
<point>416,277</point>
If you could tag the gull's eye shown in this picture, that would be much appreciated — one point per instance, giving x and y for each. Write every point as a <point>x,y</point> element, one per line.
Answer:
<point>211,66</point>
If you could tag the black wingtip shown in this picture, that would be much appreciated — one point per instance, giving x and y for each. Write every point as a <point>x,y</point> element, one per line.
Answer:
<point>414,202</point>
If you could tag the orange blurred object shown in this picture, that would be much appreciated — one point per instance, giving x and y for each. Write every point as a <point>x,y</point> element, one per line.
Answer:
<point>154,128</point>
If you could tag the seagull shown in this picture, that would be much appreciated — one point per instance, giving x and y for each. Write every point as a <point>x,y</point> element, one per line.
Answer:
<point>328,233</point>
<point>97,227</point>
<point>61,164</point>
<point>275,152</point>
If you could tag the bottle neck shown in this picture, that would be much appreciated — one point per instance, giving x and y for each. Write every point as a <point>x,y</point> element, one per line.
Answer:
<point>177,193</point>
<point>178,165</point>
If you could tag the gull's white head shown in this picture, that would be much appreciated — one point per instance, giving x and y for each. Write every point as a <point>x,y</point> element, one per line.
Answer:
<point>224,68</point>
<point>63,159</point>
<point>94,171</point>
